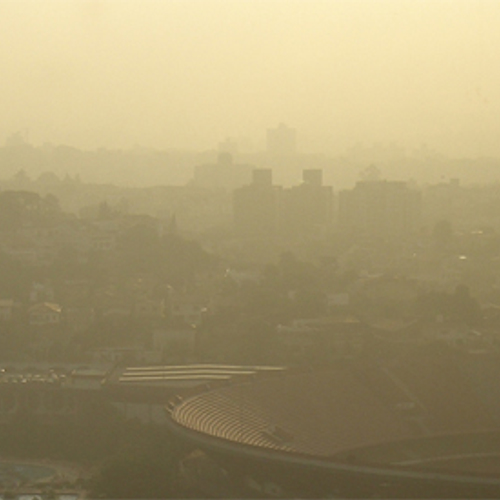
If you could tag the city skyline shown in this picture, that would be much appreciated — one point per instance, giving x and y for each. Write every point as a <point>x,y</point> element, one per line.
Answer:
<point>187,74</point>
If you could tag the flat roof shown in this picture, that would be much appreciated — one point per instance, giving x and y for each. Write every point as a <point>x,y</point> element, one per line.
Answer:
<point>166,378</point>
<point>207,367</point>
<point>196,374</point>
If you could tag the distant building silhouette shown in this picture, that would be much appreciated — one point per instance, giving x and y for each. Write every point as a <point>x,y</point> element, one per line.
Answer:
<point>443,201</point>
<point>281,140</point>
<point>223,174</point>
<point>256,206</point>
<point>383,210</point>
<point>264,209</point>
<point>308,208</point>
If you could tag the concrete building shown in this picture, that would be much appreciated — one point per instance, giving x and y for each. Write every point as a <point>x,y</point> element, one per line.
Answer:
<point>425,426</point>
<point>256,207</point>
<point>45,313</point>
<point>308,208</point>
<point>380,210</point>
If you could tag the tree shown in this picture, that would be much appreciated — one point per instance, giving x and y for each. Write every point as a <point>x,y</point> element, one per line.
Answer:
<point>21,207</point>
<point>140,249</point>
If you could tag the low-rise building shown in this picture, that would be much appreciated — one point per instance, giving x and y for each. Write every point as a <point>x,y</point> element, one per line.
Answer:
<point>44,314</point>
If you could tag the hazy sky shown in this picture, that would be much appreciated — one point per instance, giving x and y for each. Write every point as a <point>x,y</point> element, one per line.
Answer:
<point>188,73</point>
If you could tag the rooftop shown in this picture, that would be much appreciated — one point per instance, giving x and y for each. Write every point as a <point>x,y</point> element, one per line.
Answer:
<point>336,413</point>
<point>185,375</point>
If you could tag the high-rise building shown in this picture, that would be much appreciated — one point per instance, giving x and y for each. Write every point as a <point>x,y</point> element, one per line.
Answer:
<point>383,210</point>
<point>256,206</point>
<point>443,201</point>
<point>313,177</point>
<point>307,209</point>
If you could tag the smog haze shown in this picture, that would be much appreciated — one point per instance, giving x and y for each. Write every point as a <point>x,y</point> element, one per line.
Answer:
<point>187,73</point>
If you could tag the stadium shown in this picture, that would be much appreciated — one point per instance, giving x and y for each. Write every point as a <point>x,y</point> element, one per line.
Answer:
<point>424,425</point>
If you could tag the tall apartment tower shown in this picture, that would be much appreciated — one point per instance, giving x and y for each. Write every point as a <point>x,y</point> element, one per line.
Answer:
<point>380,210</point>
<point>281,141</point>
<point>307,209</point>
<point>256,206</point>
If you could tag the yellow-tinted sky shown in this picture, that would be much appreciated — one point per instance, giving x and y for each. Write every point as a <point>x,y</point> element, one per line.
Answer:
<point>188,73</point>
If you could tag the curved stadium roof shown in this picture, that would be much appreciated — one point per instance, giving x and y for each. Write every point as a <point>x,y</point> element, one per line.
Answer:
<point>357,412</point>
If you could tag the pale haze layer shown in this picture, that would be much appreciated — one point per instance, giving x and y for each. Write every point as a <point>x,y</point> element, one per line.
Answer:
<point>188,73</point>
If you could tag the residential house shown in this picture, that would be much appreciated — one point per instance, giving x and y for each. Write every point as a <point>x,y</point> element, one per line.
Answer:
<point>44,314</point>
